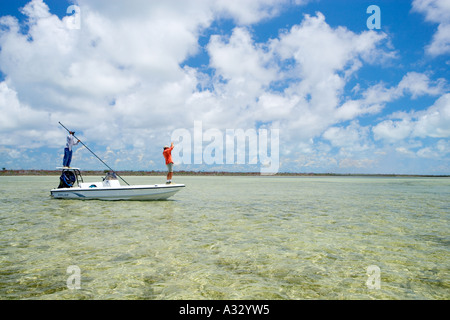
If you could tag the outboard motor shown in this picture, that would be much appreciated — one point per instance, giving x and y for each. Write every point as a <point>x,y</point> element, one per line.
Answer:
<point>67,179</point>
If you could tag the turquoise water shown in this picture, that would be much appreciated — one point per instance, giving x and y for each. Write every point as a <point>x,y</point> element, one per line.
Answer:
<point>230,238</point>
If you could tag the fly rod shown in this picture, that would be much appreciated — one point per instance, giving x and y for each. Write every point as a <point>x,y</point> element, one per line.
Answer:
<point>94,154</point>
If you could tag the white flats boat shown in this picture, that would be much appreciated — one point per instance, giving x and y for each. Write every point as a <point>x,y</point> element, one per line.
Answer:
<point>109,188</point>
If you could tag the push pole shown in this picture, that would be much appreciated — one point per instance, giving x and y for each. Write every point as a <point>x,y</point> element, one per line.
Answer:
<point>95,154</point>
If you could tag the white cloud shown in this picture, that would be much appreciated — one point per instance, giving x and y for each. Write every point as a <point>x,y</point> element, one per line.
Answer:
<point>443,146</point>
<point>14,114</point>
<point>415,149</point>
<point>123,64</point>
<point>116,72</point>
<point>375,97</point>
<point>240,60</point>
<point>413,83</point>
<point>419,84</point>
<point>121,80</point>
<point>325,60</point>
<point>436,11</point>
<point>351,138</point>
<point>433,122</point>
<point>246,12</point>
<point>393,131</point>
<point>118,78</point>
<point>405,151</point>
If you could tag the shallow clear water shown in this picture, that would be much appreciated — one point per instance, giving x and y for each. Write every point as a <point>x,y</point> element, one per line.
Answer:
<point>230,238</point>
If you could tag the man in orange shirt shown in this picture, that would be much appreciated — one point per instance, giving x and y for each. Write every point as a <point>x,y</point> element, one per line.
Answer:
<point>167,153</point>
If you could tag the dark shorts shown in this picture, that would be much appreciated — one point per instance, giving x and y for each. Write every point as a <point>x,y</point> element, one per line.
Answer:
<point>170,167</point>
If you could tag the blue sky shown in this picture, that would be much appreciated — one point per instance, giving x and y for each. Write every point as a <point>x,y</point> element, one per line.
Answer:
<point>128,77</point>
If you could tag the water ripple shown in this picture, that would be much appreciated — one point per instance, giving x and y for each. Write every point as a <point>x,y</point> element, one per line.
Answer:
<point>230,238</point>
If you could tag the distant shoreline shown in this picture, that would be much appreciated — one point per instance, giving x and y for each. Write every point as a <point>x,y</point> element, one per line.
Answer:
<point>7,172</point>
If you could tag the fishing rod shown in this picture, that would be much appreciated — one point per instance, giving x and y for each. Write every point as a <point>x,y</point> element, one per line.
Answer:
<point>94,154</point>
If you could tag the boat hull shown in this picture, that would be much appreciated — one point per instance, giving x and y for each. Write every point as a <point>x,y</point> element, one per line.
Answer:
<point>143,192</point>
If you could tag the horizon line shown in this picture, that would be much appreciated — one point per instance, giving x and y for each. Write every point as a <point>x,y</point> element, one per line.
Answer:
<point>14,172</point>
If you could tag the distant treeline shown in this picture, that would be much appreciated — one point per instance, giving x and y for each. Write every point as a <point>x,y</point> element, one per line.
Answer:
<point>7,172</point>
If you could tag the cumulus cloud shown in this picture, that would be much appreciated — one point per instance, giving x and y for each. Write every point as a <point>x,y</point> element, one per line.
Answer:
<point>375,97</point>
<point>33,123</point>
<point>119,77</point>
<point>246,12</point>
<point>323,61</point>
<point>407,131</point>
<point>117,72</point>
<point>124,61</point>
<point>123,79</point>
<point>351,138</point>
<point>436,11</point>
<point>419,84</point>
<point>393,131</point>
<point>402,129</point>
<point>433,122</point>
